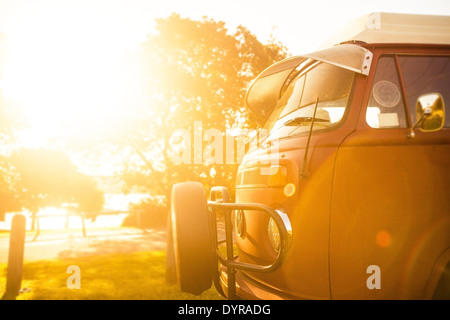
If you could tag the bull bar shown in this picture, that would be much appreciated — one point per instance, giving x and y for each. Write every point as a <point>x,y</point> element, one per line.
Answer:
<point>220,199</point>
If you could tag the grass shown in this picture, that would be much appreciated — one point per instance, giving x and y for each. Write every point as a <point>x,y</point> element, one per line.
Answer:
<point>131,276</point>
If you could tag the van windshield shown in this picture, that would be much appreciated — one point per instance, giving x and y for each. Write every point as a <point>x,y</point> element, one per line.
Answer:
<point>325,83</point>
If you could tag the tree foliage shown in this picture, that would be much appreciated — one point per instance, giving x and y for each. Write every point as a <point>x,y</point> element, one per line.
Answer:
<point>10,122</point>
<point>9,196</point>
<point>194,71</point>
<point>49,178</point>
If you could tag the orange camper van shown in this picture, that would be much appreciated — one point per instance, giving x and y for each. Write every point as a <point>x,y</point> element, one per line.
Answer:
<point>358,203</point>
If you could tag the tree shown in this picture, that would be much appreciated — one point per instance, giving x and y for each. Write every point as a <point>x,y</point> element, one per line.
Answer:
<point>10,121</point>
<point>49,178</point>
<point>9,197</point>
<point>194,71</point>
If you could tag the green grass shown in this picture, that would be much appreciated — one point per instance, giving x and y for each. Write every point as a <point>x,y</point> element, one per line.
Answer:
<point>132,276</point>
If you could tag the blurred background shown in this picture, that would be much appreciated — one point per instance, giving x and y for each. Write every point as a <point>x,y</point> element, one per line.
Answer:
<point>91,93</point>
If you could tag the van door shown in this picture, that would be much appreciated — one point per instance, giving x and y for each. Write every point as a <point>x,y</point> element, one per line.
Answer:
<point>390,206</point>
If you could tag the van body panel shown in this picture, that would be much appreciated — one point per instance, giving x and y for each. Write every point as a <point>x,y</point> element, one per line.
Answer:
<point>309,218</point>
<point>390,208</point>
<point>390,203</point>
<point>308,213</point>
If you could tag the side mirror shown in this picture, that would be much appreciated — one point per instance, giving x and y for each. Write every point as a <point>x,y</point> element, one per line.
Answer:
<point>430,113</point>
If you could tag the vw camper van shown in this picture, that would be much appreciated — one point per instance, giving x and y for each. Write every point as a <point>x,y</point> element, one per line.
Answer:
<point>358,204</point>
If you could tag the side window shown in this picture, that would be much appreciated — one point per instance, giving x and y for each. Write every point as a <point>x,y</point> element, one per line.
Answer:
<point>422,75</point>
<point>386,108</point>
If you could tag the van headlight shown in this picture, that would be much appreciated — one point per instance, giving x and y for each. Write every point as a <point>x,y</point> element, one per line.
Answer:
<point>239,223</point>
<point>274,235</point>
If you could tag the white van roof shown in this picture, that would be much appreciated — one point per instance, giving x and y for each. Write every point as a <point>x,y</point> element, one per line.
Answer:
<point>384,27</point>
<point>373,28</point>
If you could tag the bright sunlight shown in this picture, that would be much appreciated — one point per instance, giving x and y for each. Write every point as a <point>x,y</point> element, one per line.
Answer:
<point>68,74</point>
<point>118,118</point>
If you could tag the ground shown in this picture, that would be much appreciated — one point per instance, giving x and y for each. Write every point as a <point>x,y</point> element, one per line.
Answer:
<point>114,263</point>
<point>72,244</point>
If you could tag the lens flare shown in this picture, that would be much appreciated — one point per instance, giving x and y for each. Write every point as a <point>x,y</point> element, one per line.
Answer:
<point>383,239</point>
<point>289,190</point>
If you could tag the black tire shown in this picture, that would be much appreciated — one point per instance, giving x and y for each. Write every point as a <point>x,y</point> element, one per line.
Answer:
<point>192,240</point>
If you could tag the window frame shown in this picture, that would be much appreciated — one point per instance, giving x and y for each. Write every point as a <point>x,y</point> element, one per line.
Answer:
<point>400,76</point>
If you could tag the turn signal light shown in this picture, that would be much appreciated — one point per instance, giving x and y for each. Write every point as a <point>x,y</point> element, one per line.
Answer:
<point>278,176</point>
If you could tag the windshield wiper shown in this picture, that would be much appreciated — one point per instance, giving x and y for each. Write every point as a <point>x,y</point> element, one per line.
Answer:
<point>298,121</point>
<point>305,174</point>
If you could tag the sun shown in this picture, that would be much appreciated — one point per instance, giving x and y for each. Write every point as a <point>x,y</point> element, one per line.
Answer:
<point>68,75</point>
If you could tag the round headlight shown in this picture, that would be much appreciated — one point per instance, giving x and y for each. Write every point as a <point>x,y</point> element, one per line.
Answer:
<point>274,235</point>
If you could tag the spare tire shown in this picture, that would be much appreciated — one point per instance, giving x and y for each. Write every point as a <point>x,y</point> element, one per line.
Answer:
<point>191,234</point>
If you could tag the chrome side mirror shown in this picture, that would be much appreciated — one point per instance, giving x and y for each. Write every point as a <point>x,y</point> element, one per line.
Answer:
<point>430,113</point>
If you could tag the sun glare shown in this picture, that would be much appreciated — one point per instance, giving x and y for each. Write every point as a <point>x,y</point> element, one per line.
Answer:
<point>66,74</point>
